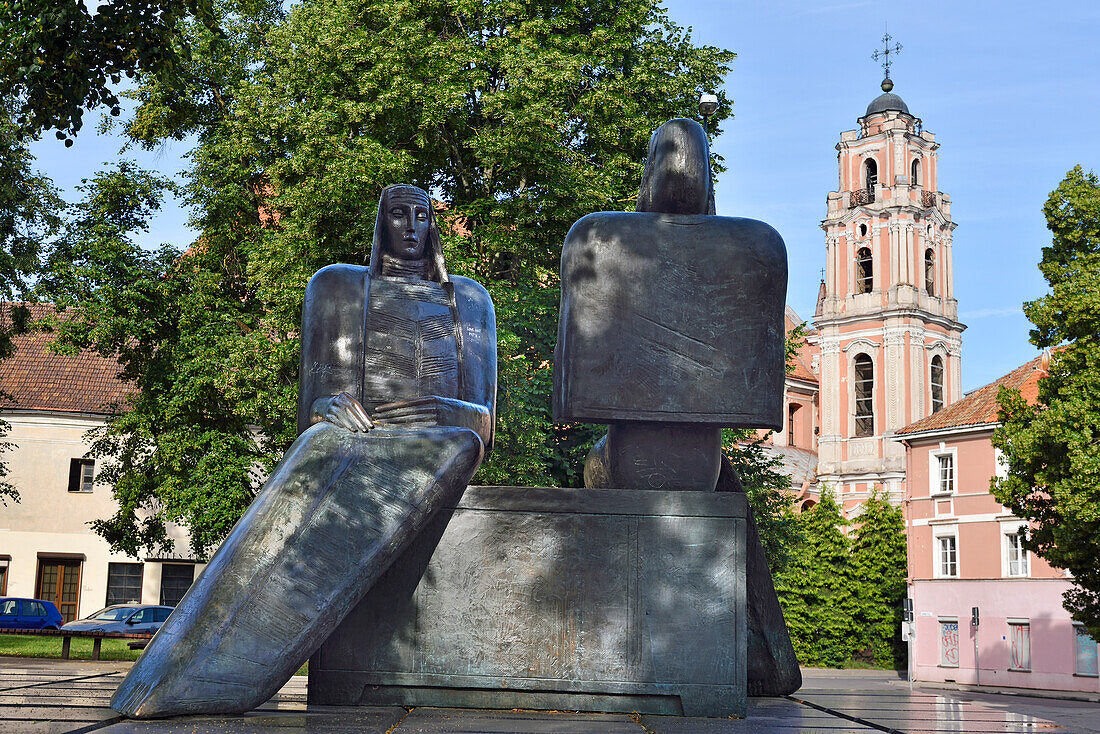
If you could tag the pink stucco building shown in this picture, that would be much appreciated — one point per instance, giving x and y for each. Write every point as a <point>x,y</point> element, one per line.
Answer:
<point>965,553</point>
<point>875,401</point>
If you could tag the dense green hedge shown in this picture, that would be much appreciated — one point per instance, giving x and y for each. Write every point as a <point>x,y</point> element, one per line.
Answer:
<point>842,591</point>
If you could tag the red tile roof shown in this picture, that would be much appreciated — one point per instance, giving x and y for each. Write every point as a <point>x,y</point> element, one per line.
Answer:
<point>34,378</point>
<point>804,356</point>
<point>980,407</point>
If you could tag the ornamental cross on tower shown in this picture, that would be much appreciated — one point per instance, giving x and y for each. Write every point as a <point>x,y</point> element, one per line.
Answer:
<point>884,54</point>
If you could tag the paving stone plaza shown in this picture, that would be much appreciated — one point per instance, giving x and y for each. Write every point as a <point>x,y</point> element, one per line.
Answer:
<point>54,697</point>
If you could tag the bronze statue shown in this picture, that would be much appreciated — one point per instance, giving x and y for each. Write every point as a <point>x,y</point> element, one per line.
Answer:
<point>396,409</point>
<point>671,327</point>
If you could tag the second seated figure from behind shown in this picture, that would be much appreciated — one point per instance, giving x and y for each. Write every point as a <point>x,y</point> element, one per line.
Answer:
<point>396,409</point>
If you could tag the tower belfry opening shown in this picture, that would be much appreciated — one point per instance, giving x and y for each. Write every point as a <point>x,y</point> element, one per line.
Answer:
<point>887,326</point>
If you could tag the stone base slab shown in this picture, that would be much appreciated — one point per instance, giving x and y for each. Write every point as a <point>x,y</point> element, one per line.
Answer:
<point>579,599</point>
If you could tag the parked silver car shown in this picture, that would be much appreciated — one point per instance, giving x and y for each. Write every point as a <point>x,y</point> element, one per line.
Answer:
<point>126,618</point>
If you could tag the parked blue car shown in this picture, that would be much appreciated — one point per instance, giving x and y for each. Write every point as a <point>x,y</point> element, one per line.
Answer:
<point>28,614</point>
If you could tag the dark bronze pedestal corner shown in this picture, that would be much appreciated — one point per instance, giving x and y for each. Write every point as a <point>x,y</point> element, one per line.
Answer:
<point>601,600</point>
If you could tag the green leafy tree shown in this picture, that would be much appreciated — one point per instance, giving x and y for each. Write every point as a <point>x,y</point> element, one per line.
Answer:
<point>815,588</point>
<point>174,453</point>
<point>29,207</point>
<point>878,568</point>
<point>60,58</point>
<point>1052,446</point>
<point>521,117</point>
<point>768,490</point>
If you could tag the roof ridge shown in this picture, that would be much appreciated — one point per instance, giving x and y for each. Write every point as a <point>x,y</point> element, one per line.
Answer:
<point>980,406</point>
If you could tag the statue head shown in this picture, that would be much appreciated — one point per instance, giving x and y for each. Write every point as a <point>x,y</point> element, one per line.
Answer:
<point>677,178</point>
<point>405,230</point>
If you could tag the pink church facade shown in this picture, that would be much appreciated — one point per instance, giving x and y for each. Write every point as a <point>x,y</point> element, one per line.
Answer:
<point>875,402</point>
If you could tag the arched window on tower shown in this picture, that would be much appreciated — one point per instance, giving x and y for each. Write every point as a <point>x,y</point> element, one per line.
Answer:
<point>930,271</point>
<point>865,279</point>
<point>864,395</point>
<point>870,177</point>
<point>937,383</point>
<point>792,424</point>
<point>915,179</point>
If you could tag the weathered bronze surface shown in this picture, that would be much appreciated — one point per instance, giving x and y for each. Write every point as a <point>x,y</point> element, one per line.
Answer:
<point>637,455</point>
<point>671,326</point>
<point>773,665</point>
<point>398,370</point>
<point>668,314</point>
<point>527,597</point>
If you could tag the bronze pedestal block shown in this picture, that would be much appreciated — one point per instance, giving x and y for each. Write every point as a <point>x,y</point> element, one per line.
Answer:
<point>602,600</point>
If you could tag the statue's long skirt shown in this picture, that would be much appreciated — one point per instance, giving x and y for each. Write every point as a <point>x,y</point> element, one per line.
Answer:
<point>335,513</point>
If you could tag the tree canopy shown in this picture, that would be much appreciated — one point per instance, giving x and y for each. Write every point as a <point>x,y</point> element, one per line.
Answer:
<point>59,58</point>
<point>1052,447</point>
<point>29,215</point>
<point>518,117</point>
<point>843,584</point>
<point>815,587</point>
<point>878,566</point>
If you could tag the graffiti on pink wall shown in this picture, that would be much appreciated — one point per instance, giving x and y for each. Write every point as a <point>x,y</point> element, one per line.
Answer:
<point>1019,636</point>
<point>949,644</point>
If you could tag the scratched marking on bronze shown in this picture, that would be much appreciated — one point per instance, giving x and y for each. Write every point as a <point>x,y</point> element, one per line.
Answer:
<point>674,358</point>
<point>654,471</point>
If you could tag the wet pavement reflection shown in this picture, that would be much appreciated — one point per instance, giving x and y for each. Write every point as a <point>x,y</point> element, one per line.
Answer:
<point>52,697</point>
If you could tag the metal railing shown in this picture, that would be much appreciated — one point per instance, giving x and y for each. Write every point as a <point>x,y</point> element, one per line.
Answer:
<point>68,635</point>
<point>859,197</point>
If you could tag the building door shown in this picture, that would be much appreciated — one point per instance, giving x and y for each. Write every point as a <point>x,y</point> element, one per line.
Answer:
<point>59,582</point>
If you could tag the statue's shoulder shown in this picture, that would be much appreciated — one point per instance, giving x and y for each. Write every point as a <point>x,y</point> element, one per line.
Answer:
<point>751,228</point>
<point>336,275</point>
<point>471,294</point>
<point>597,223</point>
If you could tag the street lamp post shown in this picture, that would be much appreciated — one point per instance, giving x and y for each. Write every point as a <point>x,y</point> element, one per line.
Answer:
<point>708,105</point>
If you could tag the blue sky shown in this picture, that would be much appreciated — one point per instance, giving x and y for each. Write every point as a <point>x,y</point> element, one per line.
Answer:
<point>1009,88</point>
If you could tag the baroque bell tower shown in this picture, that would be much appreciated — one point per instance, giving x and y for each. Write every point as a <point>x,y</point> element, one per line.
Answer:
<point>887,321</point>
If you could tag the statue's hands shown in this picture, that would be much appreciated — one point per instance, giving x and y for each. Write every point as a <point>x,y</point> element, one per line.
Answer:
<point>432,410</point>
<point>423,411</point>
<point>344,411</point>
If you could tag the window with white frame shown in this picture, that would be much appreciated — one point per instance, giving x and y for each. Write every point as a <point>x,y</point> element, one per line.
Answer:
<point>942,471</point>
<point>945,472</point>
<point>947,556</point>
<point>1085,648</point>
<point>1015,555</point>
<point>1019,645</point>
<point>865,270</point>
<point>936,380</point>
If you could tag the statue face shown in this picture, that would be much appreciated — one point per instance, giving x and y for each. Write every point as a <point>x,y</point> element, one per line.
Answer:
<point>407,225</point>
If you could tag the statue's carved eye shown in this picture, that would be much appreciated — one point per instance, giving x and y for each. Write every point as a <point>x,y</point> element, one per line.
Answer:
<point>397,211</point>
<point>422,215</point>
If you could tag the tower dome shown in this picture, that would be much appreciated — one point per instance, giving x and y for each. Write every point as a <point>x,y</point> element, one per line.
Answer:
<point>887,101</point>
